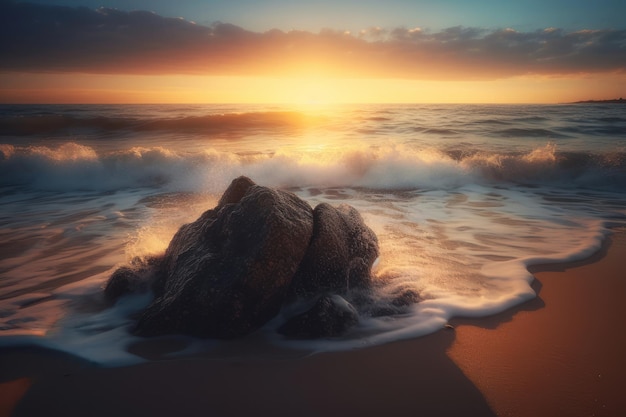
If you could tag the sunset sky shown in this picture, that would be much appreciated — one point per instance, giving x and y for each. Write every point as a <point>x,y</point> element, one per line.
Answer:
<point>121,51</point>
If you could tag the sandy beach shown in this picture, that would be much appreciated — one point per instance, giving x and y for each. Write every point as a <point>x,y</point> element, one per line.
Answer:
<point>560,354</point>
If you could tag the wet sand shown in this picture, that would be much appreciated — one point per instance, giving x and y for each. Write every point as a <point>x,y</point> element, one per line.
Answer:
<point>401,379</point>
<point>560,354</point>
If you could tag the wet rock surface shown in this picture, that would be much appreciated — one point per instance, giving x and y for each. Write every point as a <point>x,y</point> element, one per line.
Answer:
<point>331,315</point>
<point>234,268</point>
<point>340,255</point>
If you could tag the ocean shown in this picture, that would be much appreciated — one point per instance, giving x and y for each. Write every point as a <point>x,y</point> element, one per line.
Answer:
<point>463,199</point>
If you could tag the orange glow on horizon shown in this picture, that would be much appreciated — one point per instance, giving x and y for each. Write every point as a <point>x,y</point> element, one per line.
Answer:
<point>299,90</point>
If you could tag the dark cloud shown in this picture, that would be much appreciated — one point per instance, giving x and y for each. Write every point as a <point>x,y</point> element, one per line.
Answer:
<point>63,39</point>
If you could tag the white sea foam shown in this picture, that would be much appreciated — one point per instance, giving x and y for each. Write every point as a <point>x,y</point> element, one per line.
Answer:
<point>74,167</point>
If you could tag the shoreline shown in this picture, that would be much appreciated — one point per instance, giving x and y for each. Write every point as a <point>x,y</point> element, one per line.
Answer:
<point>558,354</point>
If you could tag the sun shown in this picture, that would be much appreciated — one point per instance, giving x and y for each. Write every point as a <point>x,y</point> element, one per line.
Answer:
<point>314,92</point>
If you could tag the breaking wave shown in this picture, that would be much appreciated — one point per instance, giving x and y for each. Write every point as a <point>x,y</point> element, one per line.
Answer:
<point>72,166</point>
<point>50,123</point>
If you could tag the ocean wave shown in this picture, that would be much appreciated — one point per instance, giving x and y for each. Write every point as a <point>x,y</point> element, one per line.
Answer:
<point>50,123</point>
<point>378,119</point>
<point>437,131</point>
<point>530,119</point>
<point>495,122</point>
<point>72,166</point>
<point>611,119</point>
<point>610,130</point>
<point>529,133</point>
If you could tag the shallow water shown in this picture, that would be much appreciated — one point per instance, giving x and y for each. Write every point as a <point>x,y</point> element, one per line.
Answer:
<point>462,197</point>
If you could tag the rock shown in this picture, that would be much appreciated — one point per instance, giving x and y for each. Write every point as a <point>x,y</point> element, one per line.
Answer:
<point>132,279</point>
<point>240,263</point>
<point>236,191</point>
<point>123,281</point>
<point>228,273</point>
<point>340,255</point>
<point>379,305</point>
<point>330,316</point>
<point>406,298</point>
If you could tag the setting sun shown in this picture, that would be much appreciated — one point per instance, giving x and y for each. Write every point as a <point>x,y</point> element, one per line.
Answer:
<point>298,90</point>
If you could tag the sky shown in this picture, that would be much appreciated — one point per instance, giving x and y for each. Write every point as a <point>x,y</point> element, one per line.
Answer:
<point>123,51</point>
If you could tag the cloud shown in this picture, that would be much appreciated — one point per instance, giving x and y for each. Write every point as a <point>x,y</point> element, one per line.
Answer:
<point>45,38</point>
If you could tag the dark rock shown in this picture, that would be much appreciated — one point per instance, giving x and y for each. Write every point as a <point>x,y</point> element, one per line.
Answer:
<point>123,281</point>
<point>390,305</point>
<point>406,298</point>
<point>131,279</point>
<point>340,256</point>
<point>237,265</point>
<point>227,273</point>
<point>330,316</point>
<point>236,191</point>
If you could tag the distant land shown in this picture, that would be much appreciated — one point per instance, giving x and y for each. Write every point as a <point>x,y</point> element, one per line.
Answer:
<point>615,100</point>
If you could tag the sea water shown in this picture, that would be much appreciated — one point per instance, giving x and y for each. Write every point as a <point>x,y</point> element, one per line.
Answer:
<point>463,198</point>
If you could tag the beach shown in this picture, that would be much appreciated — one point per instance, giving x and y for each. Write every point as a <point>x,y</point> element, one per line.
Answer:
<point>546,357</point>
<point>552,356</point>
